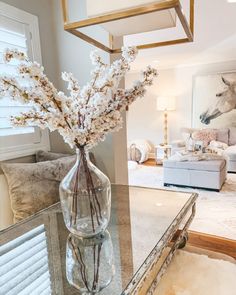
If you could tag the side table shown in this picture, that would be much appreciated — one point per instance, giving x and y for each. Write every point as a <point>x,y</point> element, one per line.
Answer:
<point>162,152</point>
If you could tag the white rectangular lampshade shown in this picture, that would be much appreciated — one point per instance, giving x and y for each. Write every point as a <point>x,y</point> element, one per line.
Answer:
<point>166,103</point>
<point>133,25</point>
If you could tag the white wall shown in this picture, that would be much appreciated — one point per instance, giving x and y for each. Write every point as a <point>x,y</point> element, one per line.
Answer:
<point>145,122</point>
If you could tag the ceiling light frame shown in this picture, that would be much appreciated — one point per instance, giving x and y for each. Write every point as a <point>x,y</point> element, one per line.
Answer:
<point>72,27</point>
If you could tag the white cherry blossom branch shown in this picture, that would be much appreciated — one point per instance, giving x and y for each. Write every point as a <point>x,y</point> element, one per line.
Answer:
<point>88,113</point>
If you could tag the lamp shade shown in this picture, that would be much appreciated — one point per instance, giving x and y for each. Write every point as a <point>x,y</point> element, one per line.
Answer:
<point>144,23</point>
<point>166,103</point>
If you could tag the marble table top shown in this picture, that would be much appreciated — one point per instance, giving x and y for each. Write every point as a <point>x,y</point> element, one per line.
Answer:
<point>139,219</point>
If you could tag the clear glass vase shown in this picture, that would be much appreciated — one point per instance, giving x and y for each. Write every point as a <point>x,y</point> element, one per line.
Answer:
<point>90,262</point>
<point>85,195</point>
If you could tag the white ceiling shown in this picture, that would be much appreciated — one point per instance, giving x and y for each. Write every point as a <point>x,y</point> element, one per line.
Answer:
<point>214,39</point>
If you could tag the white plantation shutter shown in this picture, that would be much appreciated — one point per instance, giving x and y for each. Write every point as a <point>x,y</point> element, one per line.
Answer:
<point>13,34</point>
<point>18,30</point>
<point>24,265</point>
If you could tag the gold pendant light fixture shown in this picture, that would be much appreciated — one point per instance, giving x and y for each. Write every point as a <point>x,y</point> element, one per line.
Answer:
<point>122,18</point>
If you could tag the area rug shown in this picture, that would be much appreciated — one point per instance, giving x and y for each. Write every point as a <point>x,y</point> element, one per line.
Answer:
<point>195,274</point>
<point>216,212</point>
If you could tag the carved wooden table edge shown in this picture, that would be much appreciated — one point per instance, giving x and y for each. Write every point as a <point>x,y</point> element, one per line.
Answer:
<point>212,243</point>
<point>173,239</point>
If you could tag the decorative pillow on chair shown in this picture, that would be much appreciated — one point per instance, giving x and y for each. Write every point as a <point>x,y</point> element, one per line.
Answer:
<point>33,187</point>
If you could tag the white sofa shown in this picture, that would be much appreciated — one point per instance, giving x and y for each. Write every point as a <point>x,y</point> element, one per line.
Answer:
<point>230,154</point>
<point>228,136</point>
<point>225,135</point>
<point>6,214</point>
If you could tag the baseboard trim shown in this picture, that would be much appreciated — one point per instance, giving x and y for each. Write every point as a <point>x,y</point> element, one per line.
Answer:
<point>194,187</point>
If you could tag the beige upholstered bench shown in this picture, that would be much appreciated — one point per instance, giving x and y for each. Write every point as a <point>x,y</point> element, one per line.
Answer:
<point>207,174</point>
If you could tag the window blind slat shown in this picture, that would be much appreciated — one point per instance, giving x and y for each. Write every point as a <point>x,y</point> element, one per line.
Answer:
<point>24,265</point>
<point>7,69</point>
<point>22,248</point>
<point>8,102</point>
<point>38,286</point>
<point>32,255</point>
<point>20,282</point>
<point>20,240</point>
<point>12,110</point>
<point>9,38</point>
<point>9,24</point>
<point>47,291</point>
<point>21,272</point>
<point>7,127</point>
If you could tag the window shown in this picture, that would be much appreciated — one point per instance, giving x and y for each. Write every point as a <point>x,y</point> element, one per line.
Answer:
<point>18,29</point>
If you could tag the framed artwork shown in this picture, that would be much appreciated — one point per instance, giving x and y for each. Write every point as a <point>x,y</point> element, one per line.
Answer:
<point>214,100</point>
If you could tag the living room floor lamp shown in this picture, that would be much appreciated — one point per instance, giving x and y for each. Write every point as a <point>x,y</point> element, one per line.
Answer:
<point>165,104</point>
<point>125,18</point>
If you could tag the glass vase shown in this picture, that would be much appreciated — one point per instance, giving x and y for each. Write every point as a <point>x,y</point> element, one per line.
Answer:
<point>90,262</point>
<point>85,195</point>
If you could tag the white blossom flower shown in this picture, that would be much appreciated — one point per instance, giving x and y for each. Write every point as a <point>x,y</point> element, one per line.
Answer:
<point>95,58</point>
<point>10,54</point>
<point>129,53</point>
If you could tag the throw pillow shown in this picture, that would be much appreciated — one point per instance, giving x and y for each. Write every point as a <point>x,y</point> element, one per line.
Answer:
<point>42,156</point>
<point>33,187</point>
<point>218,144</point>
<point>205,135</point>
<point>222,135</point>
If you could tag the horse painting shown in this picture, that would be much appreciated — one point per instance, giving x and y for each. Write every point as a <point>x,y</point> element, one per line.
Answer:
<point>225,103</point>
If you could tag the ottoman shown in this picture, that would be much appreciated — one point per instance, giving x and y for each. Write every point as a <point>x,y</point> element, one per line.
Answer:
<point>207,174</point>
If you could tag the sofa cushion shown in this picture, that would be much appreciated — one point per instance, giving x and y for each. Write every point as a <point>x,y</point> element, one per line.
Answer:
<point>209,165</point>
<point>232,136</point>
<point>33,187</point>
<point>230,152</point>
<point>222,135</point>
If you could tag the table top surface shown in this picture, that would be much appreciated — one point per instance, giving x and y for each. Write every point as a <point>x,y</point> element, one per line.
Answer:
<point>139,219</point>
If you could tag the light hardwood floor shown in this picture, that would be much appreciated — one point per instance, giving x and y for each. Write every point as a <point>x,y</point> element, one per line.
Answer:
<point>150,162</point>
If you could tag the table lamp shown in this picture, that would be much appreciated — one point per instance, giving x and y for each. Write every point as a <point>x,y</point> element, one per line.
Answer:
<point>165,104</point>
